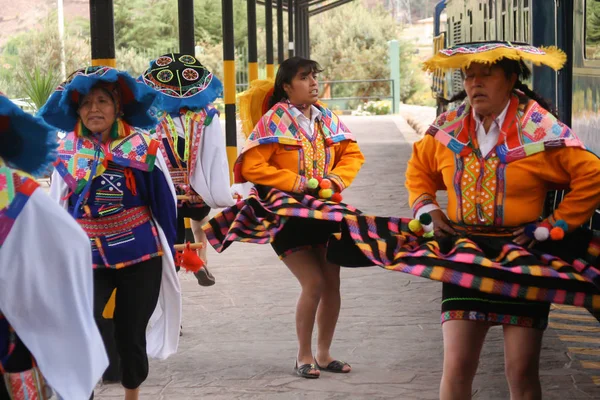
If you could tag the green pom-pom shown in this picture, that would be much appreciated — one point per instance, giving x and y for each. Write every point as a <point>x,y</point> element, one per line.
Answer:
<point>312,183</point>
<point>425,219</point>
<point>428,235</point>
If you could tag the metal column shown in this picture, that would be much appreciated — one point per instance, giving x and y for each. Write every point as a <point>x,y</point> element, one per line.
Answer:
<point>298,31</point>
<point>306,19</point>
<point>102,30</point>
<point>291,28</point>
<point>187,42</point>
<point>229,83</point>
<point>252,48</point>
<point>269,37</point>
<point>280,50</point>
<point>302,43</point>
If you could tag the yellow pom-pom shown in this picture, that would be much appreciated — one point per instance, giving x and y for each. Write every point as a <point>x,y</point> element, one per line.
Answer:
<point>415,225</point>
<point>325,193</point>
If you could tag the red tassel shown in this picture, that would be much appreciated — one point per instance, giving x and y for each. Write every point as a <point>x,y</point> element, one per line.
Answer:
<point>188,259</point>
<point>130,181</point>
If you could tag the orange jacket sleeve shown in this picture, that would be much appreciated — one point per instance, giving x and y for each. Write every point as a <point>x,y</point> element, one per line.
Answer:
<point>423,178</point>
<point>257,169</point>
<point>580,170</point>
<point>348,161</point>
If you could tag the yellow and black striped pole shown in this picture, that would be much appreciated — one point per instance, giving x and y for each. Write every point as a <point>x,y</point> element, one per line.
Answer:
<point>280,49</point>
<point>102,32</point>
<point>269,34</point>
<point>102,39</point>
<point>185,12</point>
<point>229,83</point>
<point>291,46</point>
<point>252,47</point>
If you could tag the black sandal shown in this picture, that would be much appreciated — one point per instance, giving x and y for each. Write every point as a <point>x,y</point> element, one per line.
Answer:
<point>304,370</point>
<point>335,366</point>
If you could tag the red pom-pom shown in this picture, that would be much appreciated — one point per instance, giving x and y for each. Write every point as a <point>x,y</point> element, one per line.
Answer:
<point>319,178</point>
<point>557,233</point>
<point>188,259</point>
<point>337,197</point>
<point>325,184</point>
<point>545,224</point>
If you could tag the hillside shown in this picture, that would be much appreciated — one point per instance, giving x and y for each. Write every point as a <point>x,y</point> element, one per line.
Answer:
<point>22,15</point>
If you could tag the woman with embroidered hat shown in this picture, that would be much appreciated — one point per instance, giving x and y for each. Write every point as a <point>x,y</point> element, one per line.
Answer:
<point>299,156</point>
<point>191,141</point>
<point>114,182</point>
<point>49,342</point>
<point>496,154</point>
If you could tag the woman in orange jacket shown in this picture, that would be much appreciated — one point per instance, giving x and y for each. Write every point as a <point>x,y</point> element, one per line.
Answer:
<point>496,155</point>
<point>300,157</point>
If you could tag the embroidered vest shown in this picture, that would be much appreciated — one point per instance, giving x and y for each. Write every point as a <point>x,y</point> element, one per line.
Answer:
<point>181,154</point>
<point>279,126</point>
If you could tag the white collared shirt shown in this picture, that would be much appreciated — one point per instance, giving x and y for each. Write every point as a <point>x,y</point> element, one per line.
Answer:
<point>308,125</point>
<point>487,141</point>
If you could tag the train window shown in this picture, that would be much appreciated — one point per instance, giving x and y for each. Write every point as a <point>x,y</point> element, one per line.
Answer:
<point>592,30</point>
<point>470,13</point>
<point>515,20</point>
<point>525,3</point>
<point>491,8</point>
<point>525,22</point>
<point>485,23</point>
<point>503,5</point>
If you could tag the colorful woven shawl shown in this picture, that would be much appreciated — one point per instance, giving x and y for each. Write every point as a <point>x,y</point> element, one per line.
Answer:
<point>77,155</point>
<point>16,188</point>
<point>528,129</point>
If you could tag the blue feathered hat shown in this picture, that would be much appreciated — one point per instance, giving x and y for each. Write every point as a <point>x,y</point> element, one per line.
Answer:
<point>136,99</point>
<point>26,142</point>
<point>182,81</point>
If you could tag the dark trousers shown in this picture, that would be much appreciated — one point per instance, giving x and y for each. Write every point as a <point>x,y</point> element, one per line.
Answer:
<point>137,287</point>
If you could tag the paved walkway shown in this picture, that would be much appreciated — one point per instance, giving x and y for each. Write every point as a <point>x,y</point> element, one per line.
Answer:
<point>238,336</point>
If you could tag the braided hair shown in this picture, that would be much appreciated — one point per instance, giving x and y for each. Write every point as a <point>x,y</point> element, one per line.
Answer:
<point>523,73</point>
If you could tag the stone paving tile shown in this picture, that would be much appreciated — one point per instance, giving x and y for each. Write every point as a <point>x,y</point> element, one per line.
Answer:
<point>238,336</point>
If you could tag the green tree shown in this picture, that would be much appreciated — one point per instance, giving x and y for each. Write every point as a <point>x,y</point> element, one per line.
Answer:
<point>39,49</point>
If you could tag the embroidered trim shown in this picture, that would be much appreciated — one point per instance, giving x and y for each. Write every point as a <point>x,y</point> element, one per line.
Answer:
<point>422,201</point>
<point>124,221</point>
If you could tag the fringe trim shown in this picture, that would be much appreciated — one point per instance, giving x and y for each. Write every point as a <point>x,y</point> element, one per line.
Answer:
<point>553,58</point>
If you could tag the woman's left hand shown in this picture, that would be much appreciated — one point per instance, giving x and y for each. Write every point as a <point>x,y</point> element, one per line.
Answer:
<point>522,239</point>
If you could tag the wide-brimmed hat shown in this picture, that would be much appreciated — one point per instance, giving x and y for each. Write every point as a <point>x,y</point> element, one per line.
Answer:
<point>182,81</point>
<point>27,143</point>
<point>136,99</point>
<point>464,54</point>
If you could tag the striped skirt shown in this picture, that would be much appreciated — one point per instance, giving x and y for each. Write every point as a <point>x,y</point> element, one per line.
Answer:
<point>263,214</point>
<point>566,272</point>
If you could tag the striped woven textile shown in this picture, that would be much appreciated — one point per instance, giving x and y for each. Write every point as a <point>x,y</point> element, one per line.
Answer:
<point>565,272</point>
<point>259,217</point>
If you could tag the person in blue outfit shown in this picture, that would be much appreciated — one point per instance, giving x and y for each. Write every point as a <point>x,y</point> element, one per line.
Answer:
<point>112,179</point>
